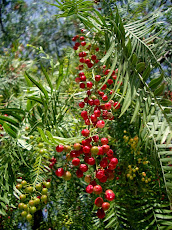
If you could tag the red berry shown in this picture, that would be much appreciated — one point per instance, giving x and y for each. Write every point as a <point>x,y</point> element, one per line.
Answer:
<point>85,132</point>
<point>104,97</point>
<point>81,104</point>
<point>89,188</point>
<point>93,183</point>
<point>59,148</point>
<point>51,165</point>
<point>93,118</point>
<point>82,38</point>
<point>104,141</point>
<point>106,72</point>
<point>110,81</point>
<point>87,60</point>
<point>87,122</point>
<point>95,138</point>
<point>88,92</point>
<point>116,105</point>
<point>104,162</point>
<point>77,79</point>
<point>84,54</point>
<point>97,78</point>
<point>105,206</point>
<point>114,77</point>
<point>75,47</point>
<point>84,114</point>
<point>86,100</point>
<point>105,148</point>
<point>97,49</point>
<point>114,161</point>
<point>82,30</point>
<point>89,84</point>
<point>77,44</point>
<point>83,43</point>
<point>111,166</point>
<point>100,173</point>
<point>76,161</point>
<point>98,202</point>
<point>93,57</point>
<point>83,167</point>
<point>110,154</point>
<point>97,189</point>
<point>91,161</point>
<point>103,179</point>
<point>86,149</point>
<point>74,39</point>
<point>59,172</point>
<point>96,102</point>
<point>90,65</point>
<point>81,73</point>
<point>83,78</point>
<point>101,93</point>
<point>82,85</point>
<point>91,102</point>
<point>82,60</point>
<point>100,124</point>
<point>108,106</point>
<point>104,87</point>
<point>79,173</point>
<point>100,213</point>
<point>100,151</point>
<point>109,195</point>
<point>80,54</point>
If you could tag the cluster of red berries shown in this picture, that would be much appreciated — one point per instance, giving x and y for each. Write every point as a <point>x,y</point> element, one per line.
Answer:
<point>52,162</point>
<point>94,150</point>
<point>92,154</point>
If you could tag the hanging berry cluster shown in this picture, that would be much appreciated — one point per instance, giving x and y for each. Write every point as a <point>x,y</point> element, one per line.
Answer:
<point>94,150</point>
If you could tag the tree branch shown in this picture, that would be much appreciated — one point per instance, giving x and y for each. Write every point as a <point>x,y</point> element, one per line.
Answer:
<point>1,23</point>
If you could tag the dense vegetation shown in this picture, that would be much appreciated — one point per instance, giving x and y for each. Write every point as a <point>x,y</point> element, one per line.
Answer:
<point>85,115</point>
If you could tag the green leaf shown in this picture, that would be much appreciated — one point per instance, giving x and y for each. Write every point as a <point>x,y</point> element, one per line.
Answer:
<point>10,131</point>
<point>9,120</point>
<point>134,59</point>
<point>159,90</point>
<point>47,77</point>
<point>35,126</point>
<point>136,109</point>
<point>39,85</point>
<point>168,175</point>
<point>167,168</point>
<point>29,83</point>
<point>8,110</point>
<point>36,99</point>
<point>43,135</point>
<point>61,75</point>
<point>109,52</point>
<point>155,82</point>
<point>146,73</point>
<point>166,102</point>
<point>140,67</point>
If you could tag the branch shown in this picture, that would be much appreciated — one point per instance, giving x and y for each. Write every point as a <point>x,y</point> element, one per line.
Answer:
<point>1,23</point>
